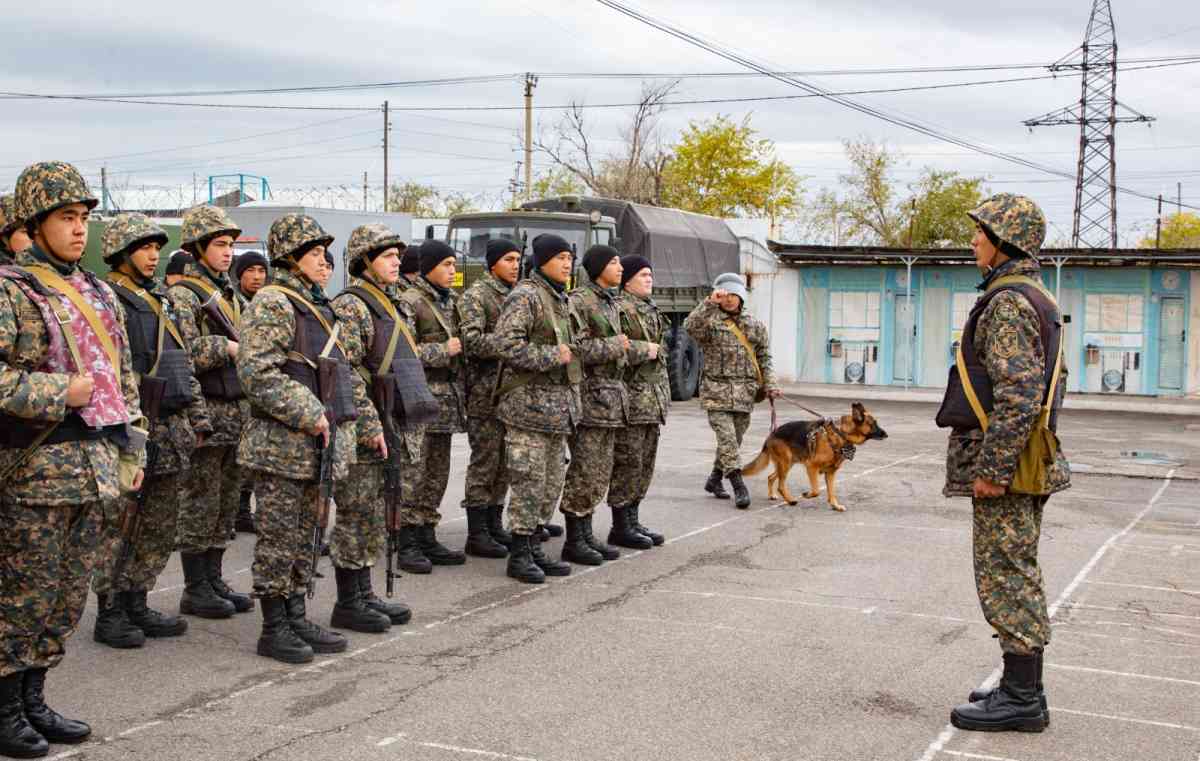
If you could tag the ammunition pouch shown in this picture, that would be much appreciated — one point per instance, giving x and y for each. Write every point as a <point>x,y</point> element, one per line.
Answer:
<point>150,395</point>
<point>175,372</point>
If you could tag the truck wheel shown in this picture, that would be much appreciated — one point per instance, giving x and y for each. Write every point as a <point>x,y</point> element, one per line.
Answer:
<point>684,364</point>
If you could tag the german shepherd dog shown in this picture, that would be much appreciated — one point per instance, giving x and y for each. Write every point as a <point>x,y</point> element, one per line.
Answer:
<point>822,445</point>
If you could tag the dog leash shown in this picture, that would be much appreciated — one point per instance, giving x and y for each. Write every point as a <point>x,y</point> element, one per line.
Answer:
<point>774,423</point>
<point>798,404</point>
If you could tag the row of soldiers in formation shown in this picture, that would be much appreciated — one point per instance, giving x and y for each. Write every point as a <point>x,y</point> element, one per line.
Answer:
<point>130,402</point>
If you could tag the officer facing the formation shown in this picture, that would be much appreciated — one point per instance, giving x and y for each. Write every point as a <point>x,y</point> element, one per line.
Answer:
<point>210,312</point>
<point>435,310</point>
<point>370,320</point>
<point>250,271</point>
<point>604,352</point>
<point>737,375</point>
<point>649,395</point>
<point>177,263</point>
<point>487,481</point>
<point>304,400</point>
<point>1012,345</point>
<point>172,402</point>
<point>67,446</point>
<point>13,238</point>
<point>539,402</point>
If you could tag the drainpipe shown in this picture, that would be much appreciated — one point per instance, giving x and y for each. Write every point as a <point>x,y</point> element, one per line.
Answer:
<point>908,339</point>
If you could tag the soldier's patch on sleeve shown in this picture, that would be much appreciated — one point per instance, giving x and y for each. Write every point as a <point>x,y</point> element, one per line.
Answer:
<point>1006,310</point>
<point>1008,341</point>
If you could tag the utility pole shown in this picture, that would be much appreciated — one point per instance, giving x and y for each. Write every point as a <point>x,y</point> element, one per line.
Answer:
<point>515,184</point>
<point>364,191</point>
<point>104,189</point>
<point>1158,225</point>
<point>530,83</point>
<point>386,128</point>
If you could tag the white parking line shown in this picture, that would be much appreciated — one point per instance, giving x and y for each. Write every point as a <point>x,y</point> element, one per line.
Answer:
<point>867,611</point>
<point>1143,586</point>
<point>1129,719</point>
<point>962,754</point>
<point>1129,674</point>
<point>1088,606</point>
<point>385,742</point>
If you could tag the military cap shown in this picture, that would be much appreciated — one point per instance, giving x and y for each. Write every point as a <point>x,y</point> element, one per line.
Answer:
<point>178,261</point>
<point>411,261</point>
<point>631,265</point>
<point>1012,219</point>
<point>498,248</point>
<point>547,246</point>
<point>8,215</point>
<point>433,253</point>
<point>125,234</point>
<point>247,260</point>
<point>201,223</point>
<point>732,282</point>
<point>294,234</point>
<point>597,258</point>
<point>50,185</point>
<point>368,242</point>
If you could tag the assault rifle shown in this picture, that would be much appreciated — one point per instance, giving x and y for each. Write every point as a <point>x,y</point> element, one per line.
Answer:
<point>213,310</point>
<point>383,393</point>
<point>327,382</point>
<point>151,391</point>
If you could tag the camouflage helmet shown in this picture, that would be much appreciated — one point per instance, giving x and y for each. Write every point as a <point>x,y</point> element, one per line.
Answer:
<point>126,233</point>
<point>292,232</point>
<point>50,185</point>
<point>8,215</point>
<point>204,222</point>
<point>1012,219</point>
<point>370,239</point>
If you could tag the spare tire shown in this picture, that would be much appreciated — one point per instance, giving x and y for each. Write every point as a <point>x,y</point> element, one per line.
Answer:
<point>684,364</point>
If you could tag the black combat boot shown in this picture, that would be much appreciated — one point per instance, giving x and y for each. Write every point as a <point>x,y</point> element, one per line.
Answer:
<point>349,612</point>
<point>552,530</point>
<point>244,521</point>
<point>656,538</point>
<point>741,495</point>
<point>319,639</point>
<point>714,486</point>
<point>438,553</point>
<point>409,556</point>
<point>623,533</point>
<point>241,603</point>
<point>480,542</point>
<point>277,640</point>
<point>1015,705</point>
<point>607,552</point>
<point>496,525</point>
<point>198,598</point>
<point>548,566</point>
<point>520,562</point>
<point>398,613</point>
<point>18,738</point>
<point>575,548</point>
<point>112,624</point>
<point>977,695</point>
<point>153,623</point>
<point>49,723</point>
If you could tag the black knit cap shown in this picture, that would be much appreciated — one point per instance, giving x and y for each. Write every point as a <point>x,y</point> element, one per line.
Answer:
<point>497,248</point>
<point>411,261</point>
<point>247,260</point>
<point>597,258</point>
<point>329,258</point>
<point>178,261</point>
<point>631,265</point>
<point>433,253</point>
<point>547,246</point>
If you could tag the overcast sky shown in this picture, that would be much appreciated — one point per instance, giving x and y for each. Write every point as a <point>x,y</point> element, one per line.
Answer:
<point>139,47</point>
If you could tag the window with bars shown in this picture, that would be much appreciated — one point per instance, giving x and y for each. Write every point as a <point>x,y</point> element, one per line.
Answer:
<point>854,309</point>
<point>1114,312</point>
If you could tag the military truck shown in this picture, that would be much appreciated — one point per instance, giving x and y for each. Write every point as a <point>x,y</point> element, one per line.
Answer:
<point>686,250</point>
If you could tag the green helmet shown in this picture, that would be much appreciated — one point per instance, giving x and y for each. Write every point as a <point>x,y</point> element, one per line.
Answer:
<point>126,233</point>
<point>50,185</point>
<point>203,222</point>
<point>292,232</point>
<point>8,215</point>
<point>370,239</point>
<point>1015,220</point>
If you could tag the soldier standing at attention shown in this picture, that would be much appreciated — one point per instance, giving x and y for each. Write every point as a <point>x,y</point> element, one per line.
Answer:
<point>13,238</point>
<point>290,336</point>
<point>435,310</point>
<point>210,312</point>
<point>539,402</point>
<point>65,446</point>
<point>1013,341</point>
<point>250,269</point>
<point>737,375</point>
<point>487,482</point>
<point>649,391</point>
<point>130,246</point>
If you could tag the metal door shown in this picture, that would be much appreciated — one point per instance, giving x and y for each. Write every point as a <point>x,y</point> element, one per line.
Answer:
<point>1171,342</point>
<point>904,364</point>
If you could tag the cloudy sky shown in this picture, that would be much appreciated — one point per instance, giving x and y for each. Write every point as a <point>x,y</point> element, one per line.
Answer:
<point>444,135</point>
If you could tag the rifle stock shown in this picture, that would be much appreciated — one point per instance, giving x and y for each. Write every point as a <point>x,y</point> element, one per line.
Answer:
<point>213,310</point>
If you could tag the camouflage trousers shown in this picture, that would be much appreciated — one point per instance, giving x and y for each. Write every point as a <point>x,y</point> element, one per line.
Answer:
<point>729,428</point>
<point>152,545</point>
<point>210,499</point>
<point>1007,576</point>
<point>590,470</point>
<point>536,469</point>
<point>287,516</point>
<point>359,531</point>
<point>46,558</point>
<point>425,480</point>
<point>487,481</point>
<point>634,455</point>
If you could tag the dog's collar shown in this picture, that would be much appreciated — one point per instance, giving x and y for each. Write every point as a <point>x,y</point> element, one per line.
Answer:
<point>845,449</point>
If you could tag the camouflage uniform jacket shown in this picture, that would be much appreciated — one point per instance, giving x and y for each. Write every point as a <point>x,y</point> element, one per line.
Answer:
<point>597,321</point>
<point>1008,342</point>
<point>729,382</point>
<point>208,350</point>
<point>480,311</point>
<point>275,440</point>
<point>443,373</point>
<point>63,474</point>
<point>549,402</point>
<point>648,383</point>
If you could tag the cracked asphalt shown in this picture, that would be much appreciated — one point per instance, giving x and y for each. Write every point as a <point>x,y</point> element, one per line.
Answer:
<point>774,633</point>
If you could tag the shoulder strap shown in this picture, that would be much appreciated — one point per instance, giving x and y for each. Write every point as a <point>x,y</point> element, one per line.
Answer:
<point>968,389</point>
<point>206,290</point>
<point>548,305</point>
<point>121,280</point>
<point>745,342</point>
<point>437,313</point>
<point>369,293</point>
<point>300,301</point>
<point>54,282</point>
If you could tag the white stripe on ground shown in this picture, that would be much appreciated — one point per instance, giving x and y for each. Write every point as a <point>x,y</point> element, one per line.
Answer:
<point>948,732</point>
<point>867,611</point>
<point>452,748</point>
<point>1128,674</point>
<point>1132,611</point>
<point>1129,719</point>
<point>1143,586</point>
<point>961,754</point>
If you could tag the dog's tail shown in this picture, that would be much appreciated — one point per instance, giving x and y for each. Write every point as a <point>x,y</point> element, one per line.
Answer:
<point>758,464</point>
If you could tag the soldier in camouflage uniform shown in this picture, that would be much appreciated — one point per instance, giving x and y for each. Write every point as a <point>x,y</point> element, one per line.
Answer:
<point>1013,334</point>
<point>487,481</point>
<point>636,447</point>
<point>65,435</point>
<point>177,264</point>
<point>250,270</point>
<point>13,238</point>
<point>210,309</point>
<point>358,536</point>
<point>130,246</point>
<point>730,384</point>
<point>284,341</point>
<point>539,402</point>
<point>435,311</point>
